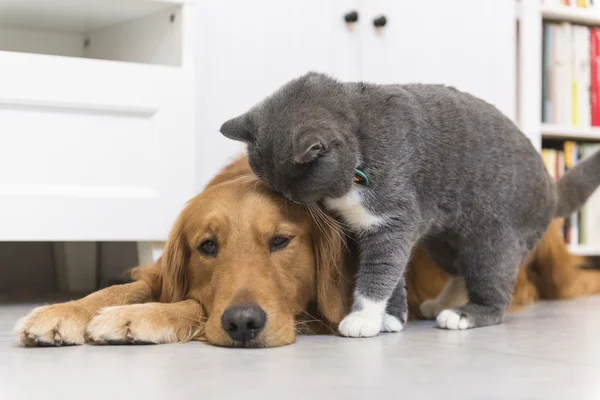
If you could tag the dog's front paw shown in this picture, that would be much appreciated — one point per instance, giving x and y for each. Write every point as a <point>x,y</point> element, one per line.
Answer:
<point>454,320</point>
<point>146,323</point>
<point>55,325</point>
<point>361,324</point>
<point>391,323</point>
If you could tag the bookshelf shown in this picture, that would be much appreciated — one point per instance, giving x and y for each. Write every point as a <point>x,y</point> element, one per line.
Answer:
<point>570,14</point>
<point>531,15</point>
<point>566,132</point>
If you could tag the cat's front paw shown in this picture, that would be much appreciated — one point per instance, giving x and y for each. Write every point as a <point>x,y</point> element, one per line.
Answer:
<point>391,324</point>
<point>454,320</point>
<point>361,324</point>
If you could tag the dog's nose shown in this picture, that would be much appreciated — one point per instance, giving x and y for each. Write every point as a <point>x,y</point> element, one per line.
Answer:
<point>243,322</point>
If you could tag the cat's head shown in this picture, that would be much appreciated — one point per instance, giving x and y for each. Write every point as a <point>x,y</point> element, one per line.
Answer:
<point>301,139</point>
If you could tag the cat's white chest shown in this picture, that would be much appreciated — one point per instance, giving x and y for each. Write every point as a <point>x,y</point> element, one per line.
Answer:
<point>352,211</point>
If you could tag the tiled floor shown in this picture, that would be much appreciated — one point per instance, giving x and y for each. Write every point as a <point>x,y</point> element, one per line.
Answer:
<point>551,351</point>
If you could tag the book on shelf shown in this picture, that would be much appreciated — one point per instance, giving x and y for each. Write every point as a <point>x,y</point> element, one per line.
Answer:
<point>582,228</point>
<point>572,3</point>
<point>582,110</point>
<point>571,75</point>
<point>595,75</point>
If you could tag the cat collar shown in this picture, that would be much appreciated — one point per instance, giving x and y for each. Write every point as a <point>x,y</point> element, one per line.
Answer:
<point>360,177</point>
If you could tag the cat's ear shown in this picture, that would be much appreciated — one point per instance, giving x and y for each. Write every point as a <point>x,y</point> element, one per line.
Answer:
<point>308,148</point>
<point>240,128</point>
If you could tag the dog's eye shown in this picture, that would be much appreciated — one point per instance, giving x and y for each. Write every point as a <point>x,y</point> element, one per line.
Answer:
<point>279,242</point>
<point>208,248</point>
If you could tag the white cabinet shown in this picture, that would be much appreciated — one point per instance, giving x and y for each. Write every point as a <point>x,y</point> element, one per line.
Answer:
<point>249,48</point>
<point>96,118</point>
<point>99,98</point>
<point>469,44</point>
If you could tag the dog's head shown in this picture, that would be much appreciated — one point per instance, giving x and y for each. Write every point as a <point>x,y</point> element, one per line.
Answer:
<point>255,262</point>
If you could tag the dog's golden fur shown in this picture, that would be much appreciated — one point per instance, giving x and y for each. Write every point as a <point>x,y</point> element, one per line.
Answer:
<point>304,287</point>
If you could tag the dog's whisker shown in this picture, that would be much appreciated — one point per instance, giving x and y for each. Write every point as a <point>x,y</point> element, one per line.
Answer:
<point>195,333</point>
<point>333,234</point>
<point>306,321</point>
<point>331,222</point>
<point>314,319</point>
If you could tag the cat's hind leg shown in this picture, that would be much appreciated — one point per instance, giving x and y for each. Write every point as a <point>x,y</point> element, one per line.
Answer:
<point>491,268</point>
<point>453,295</point>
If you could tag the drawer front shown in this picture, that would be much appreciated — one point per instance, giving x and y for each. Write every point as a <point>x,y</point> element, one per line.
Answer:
<point>92,150</point>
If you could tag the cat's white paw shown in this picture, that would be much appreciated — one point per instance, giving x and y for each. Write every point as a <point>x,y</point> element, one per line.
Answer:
<point>450,319</point>
<point>429,309</point>
<point>391,324</point>
<point>361,324</point>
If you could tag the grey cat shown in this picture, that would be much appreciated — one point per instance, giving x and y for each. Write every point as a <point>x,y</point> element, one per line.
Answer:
<point>403,163</point>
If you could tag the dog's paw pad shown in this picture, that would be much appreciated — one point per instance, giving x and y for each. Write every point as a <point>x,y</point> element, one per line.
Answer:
<point>453,320</point>
<point>391,324</point>
<point>360,324</point>
<point>429,309</point>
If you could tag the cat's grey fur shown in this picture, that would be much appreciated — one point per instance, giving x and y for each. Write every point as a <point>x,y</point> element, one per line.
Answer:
<point>445,167</point>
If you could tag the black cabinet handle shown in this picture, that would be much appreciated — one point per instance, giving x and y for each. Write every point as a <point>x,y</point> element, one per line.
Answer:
<point>351,17</point>
<point>380,22</point>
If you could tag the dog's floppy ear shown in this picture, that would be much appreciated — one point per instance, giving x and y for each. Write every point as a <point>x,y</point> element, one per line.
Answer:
<point>174,266</point>
<point>240,128</point>
<point>333,284</point>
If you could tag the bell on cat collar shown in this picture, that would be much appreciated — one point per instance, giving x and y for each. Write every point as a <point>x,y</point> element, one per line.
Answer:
<point>360,178</point>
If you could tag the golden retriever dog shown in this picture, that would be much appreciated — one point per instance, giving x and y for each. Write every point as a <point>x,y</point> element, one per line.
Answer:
<point>243,267</point>
<point>239,265</point>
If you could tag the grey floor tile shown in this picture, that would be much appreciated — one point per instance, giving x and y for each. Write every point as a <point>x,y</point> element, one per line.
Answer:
<point>551,351</point>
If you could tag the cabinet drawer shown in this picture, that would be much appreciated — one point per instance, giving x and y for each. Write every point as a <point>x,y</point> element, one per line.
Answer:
<point>92,149</point>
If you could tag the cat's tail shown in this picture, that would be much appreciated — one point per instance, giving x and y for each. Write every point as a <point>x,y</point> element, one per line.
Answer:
<point>577,185</point>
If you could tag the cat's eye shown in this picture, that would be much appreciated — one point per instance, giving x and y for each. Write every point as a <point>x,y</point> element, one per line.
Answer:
<point>209,248</point>
<point>279,242</point>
